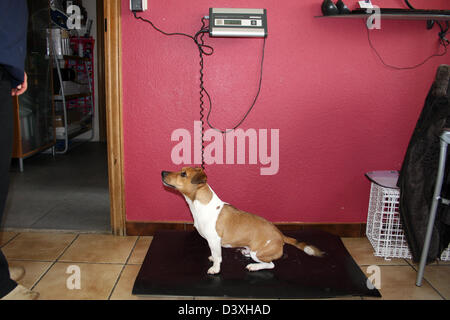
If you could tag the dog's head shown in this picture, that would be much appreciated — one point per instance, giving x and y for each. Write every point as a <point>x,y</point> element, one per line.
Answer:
<point>187,181</point>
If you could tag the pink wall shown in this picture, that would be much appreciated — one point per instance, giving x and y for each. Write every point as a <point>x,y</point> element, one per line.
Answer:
<point>339,111</point>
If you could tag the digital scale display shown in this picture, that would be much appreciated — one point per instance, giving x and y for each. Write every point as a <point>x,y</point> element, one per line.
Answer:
<point>234,22</point>
<point>237,22</point>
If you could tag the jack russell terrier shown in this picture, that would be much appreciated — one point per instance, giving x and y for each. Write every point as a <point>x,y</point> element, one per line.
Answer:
<point>222,225</point>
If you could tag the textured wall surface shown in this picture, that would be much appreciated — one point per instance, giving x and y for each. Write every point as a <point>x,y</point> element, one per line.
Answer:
<point>339,111</point>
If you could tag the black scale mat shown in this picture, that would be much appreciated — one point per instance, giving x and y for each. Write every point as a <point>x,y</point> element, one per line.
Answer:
<point>176,264</point>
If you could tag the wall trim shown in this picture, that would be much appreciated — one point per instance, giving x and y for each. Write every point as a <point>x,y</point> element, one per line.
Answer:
<point>141,228</point>
<point>113,100</point>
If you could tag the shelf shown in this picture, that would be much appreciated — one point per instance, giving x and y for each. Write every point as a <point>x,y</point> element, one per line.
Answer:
<point>73,131</point>
<point>80,132</point>
<point>69,57</point>
<point>391,16</point>
<point>71,96</point>
<point>71,122</point>
<point>65,57</point>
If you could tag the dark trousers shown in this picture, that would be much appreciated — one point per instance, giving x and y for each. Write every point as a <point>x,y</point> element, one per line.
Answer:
<point>6,139</point>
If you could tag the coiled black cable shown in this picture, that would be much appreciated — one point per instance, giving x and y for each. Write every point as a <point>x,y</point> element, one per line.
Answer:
<point>204,92</point>
<point>201,45</point>
<point>203,50</point>
<point>208,50</point>
<point>251,106</point>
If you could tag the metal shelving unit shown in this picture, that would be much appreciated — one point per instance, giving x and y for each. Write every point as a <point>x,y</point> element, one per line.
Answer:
<point>75,108</point>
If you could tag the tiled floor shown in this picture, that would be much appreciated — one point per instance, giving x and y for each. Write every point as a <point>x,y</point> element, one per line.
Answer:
<point>108,266</point>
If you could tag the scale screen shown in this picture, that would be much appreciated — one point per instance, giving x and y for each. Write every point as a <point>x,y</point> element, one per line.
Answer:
<point>233,22</point>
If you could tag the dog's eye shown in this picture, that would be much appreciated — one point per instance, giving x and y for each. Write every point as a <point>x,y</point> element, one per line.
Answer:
<point>183,174</point>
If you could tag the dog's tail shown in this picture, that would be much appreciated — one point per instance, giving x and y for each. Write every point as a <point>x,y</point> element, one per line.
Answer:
<point>308,249</point>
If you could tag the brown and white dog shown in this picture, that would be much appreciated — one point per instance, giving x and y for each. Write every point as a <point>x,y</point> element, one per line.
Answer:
<point>222,225</point>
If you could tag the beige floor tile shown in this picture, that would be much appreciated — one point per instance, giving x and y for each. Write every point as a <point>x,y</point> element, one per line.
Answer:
<point>140,250</point>
<point>33,271</point>
<point>435,263</point>
<point>37,246</point>
<point>124,287</point>
<point>107,254</point>
<point>362,252</point>
<point>96,281</point>
<point>99,249</point>
<point>5,236</point>
<point>399,283</point>
<point>439,277</point>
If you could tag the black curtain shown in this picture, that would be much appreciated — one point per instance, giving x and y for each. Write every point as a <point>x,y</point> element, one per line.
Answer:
<point>419,170</point>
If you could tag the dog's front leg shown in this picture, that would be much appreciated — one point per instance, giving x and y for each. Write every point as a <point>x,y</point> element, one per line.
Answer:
<point>216,255</point>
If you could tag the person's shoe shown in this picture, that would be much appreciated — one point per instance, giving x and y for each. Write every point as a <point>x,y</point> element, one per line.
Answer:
<point>21,293</point>
<point>16,273</point>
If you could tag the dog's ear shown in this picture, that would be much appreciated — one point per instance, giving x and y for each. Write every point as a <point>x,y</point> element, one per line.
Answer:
<point>199,178</point>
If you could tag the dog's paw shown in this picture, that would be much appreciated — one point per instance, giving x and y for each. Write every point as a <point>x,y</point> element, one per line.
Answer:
<point>260,266</point>
<point>245,252</point>
<point>214,270</point>
<point>253,267</point>
<point>210,258</point>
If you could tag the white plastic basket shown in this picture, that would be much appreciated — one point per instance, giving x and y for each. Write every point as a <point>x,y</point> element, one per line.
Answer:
<point>384,229</point>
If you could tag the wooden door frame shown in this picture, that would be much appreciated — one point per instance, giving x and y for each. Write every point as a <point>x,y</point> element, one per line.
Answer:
<point>101,70</point>
<point>114,124</point>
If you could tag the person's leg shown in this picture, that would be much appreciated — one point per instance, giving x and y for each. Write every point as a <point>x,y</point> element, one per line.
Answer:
<point>6,139</point>
<point>6,284</point>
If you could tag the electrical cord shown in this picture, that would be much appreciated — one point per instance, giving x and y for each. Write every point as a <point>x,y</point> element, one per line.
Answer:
<point>161,31</point>
<point>442,40</point>
<point>204,92</point>
<point>409,5</point>
<point>442,35</point>
<point>251,106</point>
<point>208,50</point>
<point>203,50</point>
<point>200,43</point>
<point>443,32</point>
<point>200,47</point>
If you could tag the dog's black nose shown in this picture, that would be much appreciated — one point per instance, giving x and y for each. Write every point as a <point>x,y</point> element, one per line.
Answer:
<point>164,174</point>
